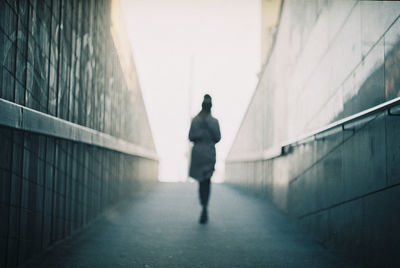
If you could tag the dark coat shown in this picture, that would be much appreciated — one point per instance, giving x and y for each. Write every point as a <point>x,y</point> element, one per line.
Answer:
<point>205,133</point>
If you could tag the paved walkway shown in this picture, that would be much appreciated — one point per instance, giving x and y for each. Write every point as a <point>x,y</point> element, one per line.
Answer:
<point>161,229</point>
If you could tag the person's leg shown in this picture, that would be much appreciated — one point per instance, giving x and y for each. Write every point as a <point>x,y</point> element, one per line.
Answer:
<point>204,192</point>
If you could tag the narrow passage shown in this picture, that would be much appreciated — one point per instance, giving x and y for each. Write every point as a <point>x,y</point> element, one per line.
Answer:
<point>160,229</point>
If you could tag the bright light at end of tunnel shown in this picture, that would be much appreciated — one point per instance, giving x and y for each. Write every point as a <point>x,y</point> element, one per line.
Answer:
<point>184,49</point>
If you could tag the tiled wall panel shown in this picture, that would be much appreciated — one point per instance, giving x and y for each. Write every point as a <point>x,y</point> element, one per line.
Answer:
<point>59,57</point>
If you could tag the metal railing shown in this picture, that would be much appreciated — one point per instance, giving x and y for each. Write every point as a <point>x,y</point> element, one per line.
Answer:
<point>22,118</point>
<point>286,147</point>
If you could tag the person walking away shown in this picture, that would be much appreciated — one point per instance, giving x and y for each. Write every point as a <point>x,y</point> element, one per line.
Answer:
<point>204,133</point>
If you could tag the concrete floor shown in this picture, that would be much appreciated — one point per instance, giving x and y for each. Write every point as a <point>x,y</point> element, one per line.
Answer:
<point>160,229</point>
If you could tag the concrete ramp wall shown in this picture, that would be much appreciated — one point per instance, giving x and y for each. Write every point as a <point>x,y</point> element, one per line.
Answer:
<point>74,134</point>
<point>331,60</point>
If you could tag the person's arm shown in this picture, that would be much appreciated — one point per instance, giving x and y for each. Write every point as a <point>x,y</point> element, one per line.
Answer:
<point>213,129</point>
<point>216,132</point>
<point>194,132</point>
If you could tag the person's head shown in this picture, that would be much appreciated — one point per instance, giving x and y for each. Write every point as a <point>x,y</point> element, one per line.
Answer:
<point>207,103</point>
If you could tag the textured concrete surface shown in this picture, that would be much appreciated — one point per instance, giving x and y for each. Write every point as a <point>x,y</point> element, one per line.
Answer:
<point>330,60</point>
<point>160,229</point>
<point>65,59</point>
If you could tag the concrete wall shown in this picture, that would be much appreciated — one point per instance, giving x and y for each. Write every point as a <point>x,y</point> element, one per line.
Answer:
<point>270,12</point>
<point>67,59</point>
<point>331,59</point>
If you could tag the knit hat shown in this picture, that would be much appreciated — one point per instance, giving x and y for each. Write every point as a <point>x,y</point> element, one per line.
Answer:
<point>207,102</point>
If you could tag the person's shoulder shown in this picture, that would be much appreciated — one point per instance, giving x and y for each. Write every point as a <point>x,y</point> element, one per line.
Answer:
<point>196,119</point>
<point>213,118</point>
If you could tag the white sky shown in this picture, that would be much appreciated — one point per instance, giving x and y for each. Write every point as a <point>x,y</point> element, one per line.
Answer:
<point>184,49</point>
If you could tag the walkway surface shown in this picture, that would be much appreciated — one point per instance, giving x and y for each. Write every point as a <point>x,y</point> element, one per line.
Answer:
<point>160,229</point>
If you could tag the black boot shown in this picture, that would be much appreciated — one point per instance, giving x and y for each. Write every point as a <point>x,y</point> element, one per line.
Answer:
<point>204,216</point>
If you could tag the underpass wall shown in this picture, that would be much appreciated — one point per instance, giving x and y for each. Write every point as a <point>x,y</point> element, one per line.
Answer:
<point>331,59</point>
<point>71,61</point>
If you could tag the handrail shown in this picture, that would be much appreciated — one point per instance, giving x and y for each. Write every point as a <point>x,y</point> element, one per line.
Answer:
<point>22,118</point>
<point>285,147</point>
